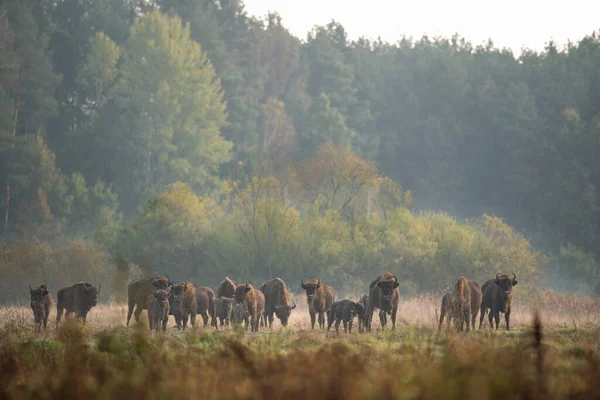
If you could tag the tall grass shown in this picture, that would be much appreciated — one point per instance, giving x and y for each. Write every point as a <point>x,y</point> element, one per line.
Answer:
<point>106,360</point>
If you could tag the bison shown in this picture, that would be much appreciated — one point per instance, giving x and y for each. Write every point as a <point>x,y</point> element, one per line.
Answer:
<point>276,301</point>
<point>384,295</point>
<point>205,297</point>
<point>184,296</point>
<point>238,314</point>
<point>319,298</point>
<point>462,304</point>
<point>158,309</point>
<point>364,324</point>
<point>41,301</point>
<point>138,291</point>
<point>223,309</point>
<point>253,304</point>
<point>344,311</point>
<point>226,288</point>
<point>78,299</point>
<point>497,296</point>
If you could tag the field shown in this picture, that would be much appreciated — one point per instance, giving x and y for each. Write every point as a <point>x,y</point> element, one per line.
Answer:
<point>555,359</point>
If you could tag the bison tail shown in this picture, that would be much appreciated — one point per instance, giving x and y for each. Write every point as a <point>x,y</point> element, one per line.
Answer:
<point>460,287</point>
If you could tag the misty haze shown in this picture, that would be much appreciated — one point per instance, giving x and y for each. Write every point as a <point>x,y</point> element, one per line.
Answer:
<point>207,199</point>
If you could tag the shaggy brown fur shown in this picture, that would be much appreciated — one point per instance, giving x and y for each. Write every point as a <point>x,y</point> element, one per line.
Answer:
<point>253,302</point>
<point>184,294</point>
<point>226,288</point>
<point>319,298</point>
<point>158,309</point>
<point>277,301</point>
<point>78,299</point>
<point>138,291</point>
<point>205,297</point>
<point>385,296</point>
<point>461,311</point>
<point>223,309</point>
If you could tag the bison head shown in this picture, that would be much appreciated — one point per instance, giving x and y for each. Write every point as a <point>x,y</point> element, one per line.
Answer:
<point>178,291</point>
<point>506,284</point>
<point>240,292</point>
<point>91,293</point>
<point>387,288</point>
<point>162,297</point>
<point>163,283</point>
<point>283,312</point>
<point>310,288</point>
<point>37,294</point>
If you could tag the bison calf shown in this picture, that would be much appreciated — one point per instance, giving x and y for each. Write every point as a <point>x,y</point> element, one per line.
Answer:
<point>345,311</point>
<point>138,291</point>
<point>223,309</point>
<point>158,309</point>
<point>78,299</point>
<point>41,301</point>
<point>253,303</point>
<point>364,324</point>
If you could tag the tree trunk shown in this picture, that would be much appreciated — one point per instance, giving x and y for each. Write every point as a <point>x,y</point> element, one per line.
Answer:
<point>12,146</point>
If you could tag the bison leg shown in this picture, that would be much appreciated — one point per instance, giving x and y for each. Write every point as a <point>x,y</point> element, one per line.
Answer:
<point>467,318</point>
<point>337,325</point>
<point>312,319</point>
<point>59,313</point>
<point>350,325</point>
<point>131,306</point>
<point>138,312</point>
<point>482,316</point>
<point>474,318</point>
<point>345,326</point>
<point>205,318</point>
<point>507,319</point>
<point>184,319</point>
<point>193,319</point>
<point>394,312</point>
<point>45,320</point>
<point>382,318</point>
<point>271,318</point>
<point>329,323</point>
<point>321,319</point>
<point>164,323</point>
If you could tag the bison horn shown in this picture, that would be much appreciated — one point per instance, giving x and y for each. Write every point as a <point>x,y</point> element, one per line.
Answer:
<point>30,289</point>
<point>302,282</point>
<point>318,282</point>
<point>514,277</point>
<point>99,286</point>
<point>497,276</point>
<point>169,278</point>
<point>293,306</point>
<point>395,279</point>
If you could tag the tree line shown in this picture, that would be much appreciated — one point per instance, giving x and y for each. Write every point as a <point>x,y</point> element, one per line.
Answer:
<point>110,108</point>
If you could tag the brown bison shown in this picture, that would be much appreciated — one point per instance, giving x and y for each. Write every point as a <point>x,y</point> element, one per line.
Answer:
<point>253,304</point>
<point>223,309</point>
<point>226,288</point>
<point>184,295</point>
<point>384,295</point>
<point>78,299</point>
<point>364,324</point>
<point>138,291</point>
<point>319,298</point>
<point>345,311</point>
<point>276,301</point>
<point>497,296</point>
<point>205,297</point>
<point>462,304</point>
<point>158,309</point>
<point>41,301</point>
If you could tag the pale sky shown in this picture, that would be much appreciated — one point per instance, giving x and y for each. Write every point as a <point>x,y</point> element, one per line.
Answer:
<point>510,23</point>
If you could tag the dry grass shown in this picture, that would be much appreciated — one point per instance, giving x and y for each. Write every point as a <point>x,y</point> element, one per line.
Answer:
<point>557,359</point>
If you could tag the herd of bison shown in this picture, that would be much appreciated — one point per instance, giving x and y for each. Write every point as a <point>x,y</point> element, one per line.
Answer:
<point>236,303</point>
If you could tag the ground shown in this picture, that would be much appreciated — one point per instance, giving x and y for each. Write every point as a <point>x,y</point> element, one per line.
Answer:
<point>105,359</point>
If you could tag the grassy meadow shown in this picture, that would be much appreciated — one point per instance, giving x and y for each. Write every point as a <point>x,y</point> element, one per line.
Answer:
<point>555,359</point>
